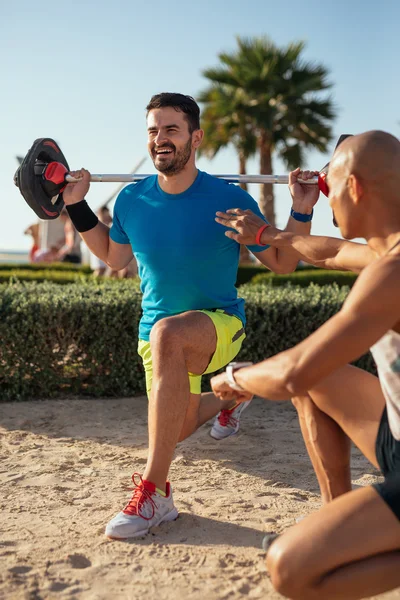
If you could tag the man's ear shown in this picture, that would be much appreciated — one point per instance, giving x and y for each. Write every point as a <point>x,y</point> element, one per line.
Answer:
<point>355,188</point>
<point>197,137</point>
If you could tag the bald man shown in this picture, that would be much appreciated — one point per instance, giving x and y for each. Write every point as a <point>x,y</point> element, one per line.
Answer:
<point>351,547</point>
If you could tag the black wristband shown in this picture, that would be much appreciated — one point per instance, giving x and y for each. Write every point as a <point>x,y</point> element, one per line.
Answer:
<point>82,216</point>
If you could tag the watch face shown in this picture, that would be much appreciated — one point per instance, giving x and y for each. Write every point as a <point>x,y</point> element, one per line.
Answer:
<point>240,364</point>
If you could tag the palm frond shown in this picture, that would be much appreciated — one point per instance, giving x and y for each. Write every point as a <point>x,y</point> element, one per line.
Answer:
<point>263,92</point>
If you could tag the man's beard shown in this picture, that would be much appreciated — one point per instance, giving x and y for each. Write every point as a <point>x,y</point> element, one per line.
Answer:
<point>178,163</point>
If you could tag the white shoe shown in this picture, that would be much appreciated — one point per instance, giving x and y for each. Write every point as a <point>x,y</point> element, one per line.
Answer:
<point>147,508</point>
<point>227,422</point>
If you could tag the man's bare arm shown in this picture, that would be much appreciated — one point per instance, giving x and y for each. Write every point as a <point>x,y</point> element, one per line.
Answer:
<point>327,252</point>
<point>97,239</point>
<point>116,256</point>
<point>285,259</point>
<point>371,309</point>
<point>294,244</point>
<point>321,251</point>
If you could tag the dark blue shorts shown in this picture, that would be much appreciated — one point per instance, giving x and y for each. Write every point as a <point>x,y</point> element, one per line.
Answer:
<point>388,456</point>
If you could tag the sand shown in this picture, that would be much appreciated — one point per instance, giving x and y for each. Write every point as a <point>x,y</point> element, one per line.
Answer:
<point>65,466</point>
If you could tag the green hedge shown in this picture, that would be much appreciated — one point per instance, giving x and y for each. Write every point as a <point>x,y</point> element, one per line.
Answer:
<point>69,340</point>
<point>60,273</point>
<point>81,339</point>
<point>59,277</point>
<point>45,266</point>
<point>247,272</point>
<point>305,277</point>
<point>40,275</point>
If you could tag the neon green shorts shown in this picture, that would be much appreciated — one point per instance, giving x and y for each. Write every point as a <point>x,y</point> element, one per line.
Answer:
<point>230,335</point>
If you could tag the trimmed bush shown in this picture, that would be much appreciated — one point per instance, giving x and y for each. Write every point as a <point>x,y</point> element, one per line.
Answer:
<point>305,277</point>
<point>69,340</point>
<point>247,272</point>
<point>45,266</point>
<point>61,273</point>
<point>81,339</point>
<point>61,277</point>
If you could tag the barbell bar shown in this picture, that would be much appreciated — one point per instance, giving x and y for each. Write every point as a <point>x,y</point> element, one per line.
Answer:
<point>44,173</point>
<point>133,177</point>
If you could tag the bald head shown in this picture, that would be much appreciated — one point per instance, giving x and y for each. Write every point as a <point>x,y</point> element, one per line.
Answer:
<point>364,183</point>
<point>374,157</point>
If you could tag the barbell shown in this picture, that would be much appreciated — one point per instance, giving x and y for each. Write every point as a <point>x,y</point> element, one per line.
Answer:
<point>44,173</point>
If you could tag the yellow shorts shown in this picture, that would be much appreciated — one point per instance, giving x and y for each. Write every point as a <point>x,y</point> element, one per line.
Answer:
<point>230,335</point>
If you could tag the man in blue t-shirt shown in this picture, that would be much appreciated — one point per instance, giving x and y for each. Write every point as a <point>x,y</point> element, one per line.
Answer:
<point>193,321</point>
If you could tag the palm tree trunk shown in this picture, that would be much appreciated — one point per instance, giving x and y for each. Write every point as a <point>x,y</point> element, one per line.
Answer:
<point>267,194</point>
<point>244,258</point>
<point>242,169</point>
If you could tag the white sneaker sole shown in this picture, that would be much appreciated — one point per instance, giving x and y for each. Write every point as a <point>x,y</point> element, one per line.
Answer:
<point>171,516</point>
<point>216,436</point>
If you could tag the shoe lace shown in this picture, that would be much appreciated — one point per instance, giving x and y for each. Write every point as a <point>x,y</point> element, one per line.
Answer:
<point>140,496</point>
<point>226,418</point>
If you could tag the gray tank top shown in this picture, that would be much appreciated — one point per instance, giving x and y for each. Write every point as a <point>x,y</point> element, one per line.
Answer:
<point>386,353</point>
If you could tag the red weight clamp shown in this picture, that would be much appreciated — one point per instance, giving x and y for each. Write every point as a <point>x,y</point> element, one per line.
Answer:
<point>322,184</point>
<point>56,172</point>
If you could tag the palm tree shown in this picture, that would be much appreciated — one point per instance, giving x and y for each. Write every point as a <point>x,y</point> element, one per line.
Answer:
<point>225,122</point>
<point>277,97</point>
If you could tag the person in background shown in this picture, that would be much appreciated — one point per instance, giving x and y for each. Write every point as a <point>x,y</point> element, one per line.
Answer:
<point>70,251</point>
<point>46,255</point>
<point>33,231</point>
<point>100,268</point>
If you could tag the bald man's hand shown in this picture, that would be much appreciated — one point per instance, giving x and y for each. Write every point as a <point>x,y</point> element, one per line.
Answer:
<point>304,196</point>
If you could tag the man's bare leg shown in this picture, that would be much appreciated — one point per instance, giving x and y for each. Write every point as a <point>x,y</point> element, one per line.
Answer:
<point>180,344</point>
<point>202,408</point>
<point>349,549</point>
<point>328,448</point>
<point>353,399</point>
<point>347,404</point>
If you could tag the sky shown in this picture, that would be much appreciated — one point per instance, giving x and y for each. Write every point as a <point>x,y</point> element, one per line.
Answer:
<point>83,72</point>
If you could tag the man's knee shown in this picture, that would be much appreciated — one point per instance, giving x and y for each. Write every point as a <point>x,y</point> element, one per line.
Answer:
<point>288,571</point>
<point>165,334</point>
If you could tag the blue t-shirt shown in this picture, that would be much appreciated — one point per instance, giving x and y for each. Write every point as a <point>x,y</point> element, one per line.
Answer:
<point>185,261</point>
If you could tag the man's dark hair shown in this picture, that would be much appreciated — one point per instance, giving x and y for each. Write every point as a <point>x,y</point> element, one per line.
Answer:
<point>179,102</point>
